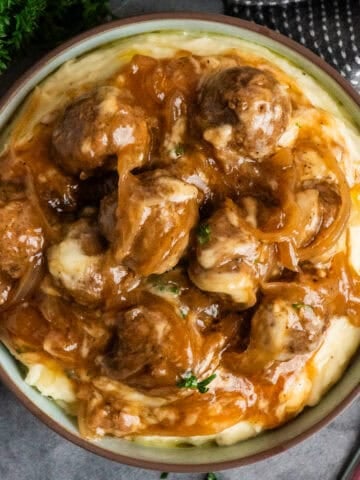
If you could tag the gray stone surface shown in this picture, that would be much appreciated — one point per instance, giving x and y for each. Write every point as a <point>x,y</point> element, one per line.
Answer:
<point>30,451</point>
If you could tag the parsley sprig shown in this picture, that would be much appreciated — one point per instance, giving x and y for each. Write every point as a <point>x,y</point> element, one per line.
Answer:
<point>189,380</point>
<point>300,305</point>
<point>163,285</point>
<point>45,23</point>
<point>179,150</point>
<point>203,233</point>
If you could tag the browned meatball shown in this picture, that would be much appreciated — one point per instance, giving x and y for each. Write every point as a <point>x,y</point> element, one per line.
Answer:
<point>229,260</point>
<point>155,215</point>
<point>284,328</point>
<point>21,238</point>
<point>155,345</point>
<point>243,108</point>
<point>76,263</point>
<point>97,125</point>
<point>285,331</point>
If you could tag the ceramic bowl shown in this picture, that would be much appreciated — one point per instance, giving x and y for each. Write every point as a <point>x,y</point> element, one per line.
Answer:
<point>208,458</point>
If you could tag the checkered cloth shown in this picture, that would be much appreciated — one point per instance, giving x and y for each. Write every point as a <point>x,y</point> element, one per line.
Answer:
<point>331,28</point>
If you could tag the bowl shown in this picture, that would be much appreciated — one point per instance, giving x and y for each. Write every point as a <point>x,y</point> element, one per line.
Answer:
<point>206,458</point>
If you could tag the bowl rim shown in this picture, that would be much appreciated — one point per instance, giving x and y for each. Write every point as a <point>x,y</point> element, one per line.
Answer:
<point>6,379</point>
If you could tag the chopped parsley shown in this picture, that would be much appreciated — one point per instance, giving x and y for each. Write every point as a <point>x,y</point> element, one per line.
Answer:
<point>203,233</point>
<point>20,350</point>
<point>300,305</point>
<point>298,124</point>
<point>70,373</point>
<point>211,476</point>
<point>164,475</point>
<point>172,288</point>
<point>189,380</point>
<point>179,150</point>
<point>184,312</point>
<point>164,285</point>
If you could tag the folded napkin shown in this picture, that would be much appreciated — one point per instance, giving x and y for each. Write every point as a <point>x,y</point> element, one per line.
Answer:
<point>331,28</point>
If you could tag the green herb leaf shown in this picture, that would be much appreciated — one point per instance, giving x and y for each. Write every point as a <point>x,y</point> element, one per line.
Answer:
<point>45,23</point>
<point>172,288</point>
<point>300,305</point>
<point>202,386</point>
<point>203,233</point>
<point>179,150</point>
<point>70,373</point>
<point>164,475</point>
<point>184,312</point>
<point>189,380</point>
<point>211,476</point>
<point>163,285</point>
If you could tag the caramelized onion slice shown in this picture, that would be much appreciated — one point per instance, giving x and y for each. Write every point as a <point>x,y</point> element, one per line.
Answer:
<point>27,284</point>
<point>327,237</point>
<point>51,232</point>
<point>324,240</point>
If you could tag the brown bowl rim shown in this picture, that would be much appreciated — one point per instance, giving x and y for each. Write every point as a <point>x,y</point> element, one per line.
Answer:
<point>34,409</point>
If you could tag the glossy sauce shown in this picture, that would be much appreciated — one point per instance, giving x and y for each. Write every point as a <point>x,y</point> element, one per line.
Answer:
<point>145,332</point>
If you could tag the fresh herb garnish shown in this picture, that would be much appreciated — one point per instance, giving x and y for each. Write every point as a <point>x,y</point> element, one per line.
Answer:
<point>189,380</point>
<point>70,373</point>
<point>164,285</point>
<point>45,22</point>
<point>184,312</point>
<point>298,124</point>
<point>211,476</point>
<point>179,150</point>
<point>203,233</point>
<point>164,475</point>
<point>300,305</point>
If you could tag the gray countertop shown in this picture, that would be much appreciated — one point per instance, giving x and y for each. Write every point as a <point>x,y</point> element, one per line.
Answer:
<point>30,451</point>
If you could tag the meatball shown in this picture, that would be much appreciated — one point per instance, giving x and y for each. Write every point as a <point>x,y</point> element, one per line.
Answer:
<point>321,200</point>
<point>243,109</point>
<point>230,260</point>
<point>310,214</point>
<point>85,270</point>
<point>21,238</point>
<point>198,169</point>
<point>76,263</point>
<point>284,328</point>
<point>287,327</point>
<point>155,345</point>
<point>96,126</point>
<point>155,215</point>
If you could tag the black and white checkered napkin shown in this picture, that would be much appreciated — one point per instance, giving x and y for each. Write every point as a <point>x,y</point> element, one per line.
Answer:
<point>331,28</point>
